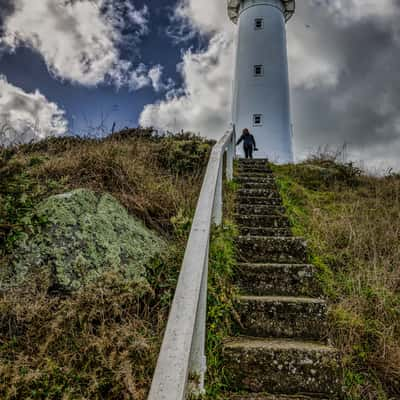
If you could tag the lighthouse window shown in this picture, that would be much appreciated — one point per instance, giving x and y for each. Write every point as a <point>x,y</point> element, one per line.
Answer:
<point>258,70</point>
<point>258,24</point>
<point>257,119</point>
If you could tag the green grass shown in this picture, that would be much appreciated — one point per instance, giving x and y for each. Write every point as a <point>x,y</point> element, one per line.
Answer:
<point>221,297</point>
<point>351,223</point>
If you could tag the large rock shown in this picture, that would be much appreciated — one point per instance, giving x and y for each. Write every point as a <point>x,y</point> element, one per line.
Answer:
<point>85,234</point>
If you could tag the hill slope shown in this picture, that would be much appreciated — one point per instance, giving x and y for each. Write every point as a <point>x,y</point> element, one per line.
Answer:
<point>100,342</point>
<point>352,223</point>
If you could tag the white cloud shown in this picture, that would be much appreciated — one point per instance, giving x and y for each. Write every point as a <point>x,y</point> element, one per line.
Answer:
<point>203,105</point>
<point>27,116</point>
<point>79,40</point>
<point>312,63</point>
<point>208,16</point>
<point>155,75</point>
<point>341,55</point>
<point>354,10</point>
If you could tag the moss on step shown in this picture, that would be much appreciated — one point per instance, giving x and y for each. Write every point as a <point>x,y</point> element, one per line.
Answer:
<point>285,366</point>
<point>278,279</point>
<point>279,316</point>
<point>274,397</point>
<point>271,249</point>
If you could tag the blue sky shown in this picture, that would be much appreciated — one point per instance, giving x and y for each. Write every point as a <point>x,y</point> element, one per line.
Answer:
<point>87,106</point>
<point>169,64</point>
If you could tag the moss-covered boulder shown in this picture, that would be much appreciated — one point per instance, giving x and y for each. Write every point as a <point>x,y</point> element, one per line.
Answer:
<point>84,235</point>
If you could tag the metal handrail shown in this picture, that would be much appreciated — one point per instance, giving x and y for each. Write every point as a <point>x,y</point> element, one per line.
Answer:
<point>182,354</point>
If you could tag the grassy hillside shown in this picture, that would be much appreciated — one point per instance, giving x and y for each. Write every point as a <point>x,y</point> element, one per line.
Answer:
<point>352,222</point>
<point>101,342</point>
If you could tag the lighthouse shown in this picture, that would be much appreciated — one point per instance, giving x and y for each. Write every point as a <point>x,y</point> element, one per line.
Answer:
<point>261,99</point>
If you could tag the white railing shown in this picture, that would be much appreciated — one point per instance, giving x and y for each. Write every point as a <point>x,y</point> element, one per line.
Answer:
<point>182,362</point>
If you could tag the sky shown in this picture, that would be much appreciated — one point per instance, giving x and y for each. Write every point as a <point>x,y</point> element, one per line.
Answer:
<point>79,66</point>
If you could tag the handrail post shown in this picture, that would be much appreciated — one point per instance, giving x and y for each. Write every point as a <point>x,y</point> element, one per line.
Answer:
<point>234,137</point>
<point>229,159</point>
<point>198,362</point>
<point>217,208</point>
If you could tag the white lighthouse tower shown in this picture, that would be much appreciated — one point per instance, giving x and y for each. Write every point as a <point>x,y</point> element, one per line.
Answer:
<point>261,100</point>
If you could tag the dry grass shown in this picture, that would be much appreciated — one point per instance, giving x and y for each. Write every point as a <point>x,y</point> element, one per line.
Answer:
<point>352,221</point>
<point>101,342</point>
<point>95,344</point>
<point>153,178</point>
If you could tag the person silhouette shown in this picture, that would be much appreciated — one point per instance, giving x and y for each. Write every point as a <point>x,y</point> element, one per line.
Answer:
<point>249,143</point>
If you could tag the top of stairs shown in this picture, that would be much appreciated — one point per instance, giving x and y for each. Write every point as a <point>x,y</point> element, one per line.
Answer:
<point>272,397</point>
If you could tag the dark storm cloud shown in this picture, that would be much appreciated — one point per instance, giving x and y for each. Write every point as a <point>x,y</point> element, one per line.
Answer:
<point>362,108</point>
<point>7,7</point>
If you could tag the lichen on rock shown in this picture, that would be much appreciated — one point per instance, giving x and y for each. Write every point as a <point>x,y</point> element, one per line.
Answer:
<point>86,234</point>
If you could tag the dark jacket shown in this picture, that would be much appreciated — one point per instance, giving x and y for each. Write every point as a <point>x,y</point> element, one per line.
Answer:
<point>248,140</point>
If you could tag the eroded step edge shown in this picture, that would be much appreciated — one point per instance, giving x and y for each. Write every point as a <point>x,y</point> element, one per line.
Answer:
<point>277,232</point>
<point>278,279</point>
<point>282,317</point>
<point>281,366</point>
<point>260,209</point>
<point>267,396</point>
<point>260,249</point>
<point>258,200</point>
<point>262,221</point>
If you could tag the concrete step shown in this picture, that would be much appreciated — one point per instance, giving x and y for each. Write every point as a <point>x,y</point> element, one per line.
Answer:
<point>259,209</point>
<point>257,175</point>
<point>267,396</point>
<point>278,279</point>
<point>262,221</point>
<point>282,317</point>
<point>269,201</point>
<point>252,160</point>
<point>254,171</point>
<point>244,199</point>
<point>264,249</point>
<point>277,232</point>
<point>259,185</point>
<point>281,366</point>
<point>255,178</point>
<point>257,167</point>
<point>267,193</point>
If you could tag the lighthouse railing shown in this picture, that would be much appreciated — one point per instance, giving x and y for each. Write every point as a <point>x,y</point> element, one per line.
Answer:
<point>181,364</point>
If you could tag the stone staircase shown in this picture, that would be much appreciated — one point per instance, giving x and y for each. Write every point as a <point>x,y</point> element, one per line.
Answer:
<point>282,352</point>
